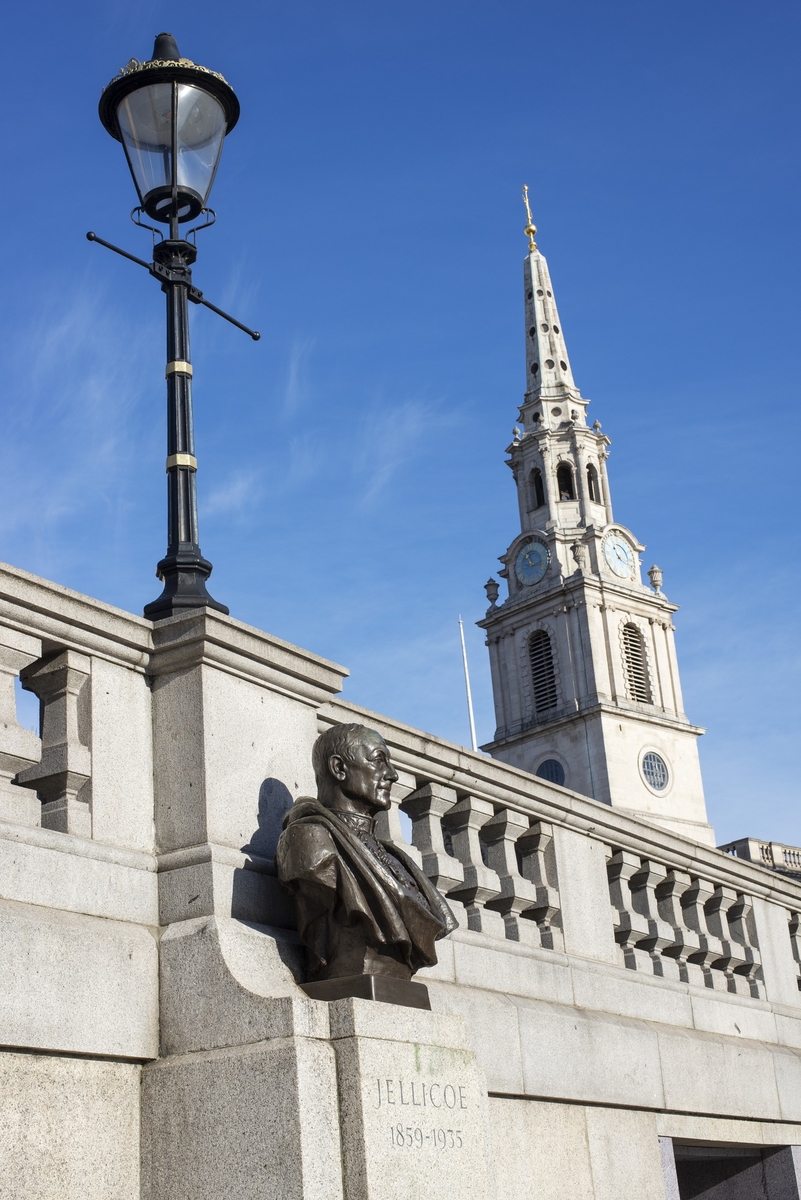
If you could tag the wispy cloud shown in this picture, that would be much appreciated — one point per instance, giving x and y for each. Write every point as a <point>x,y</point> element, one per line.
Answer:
<point>307,457</point>
<point>390,437</point>
<point>75,426</point>
<point>240,291</point>
<point>296,391</point>
<point>242,490</point>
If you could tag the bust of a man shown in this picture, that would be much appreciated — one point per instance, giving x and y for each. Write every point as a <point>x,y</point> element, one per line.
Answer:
<point>363,906</point>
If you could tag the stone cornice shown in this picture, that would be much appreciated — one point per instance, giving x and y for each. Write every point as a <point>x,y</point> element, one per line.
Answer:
<point>644,713</point>
<point>516,609</point>
<point>206,637</point>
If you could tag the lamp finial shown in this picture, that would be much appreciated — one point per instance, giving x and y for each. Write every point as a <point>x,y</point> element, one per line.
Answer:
<point>165,49</point>
<point>531,228</point>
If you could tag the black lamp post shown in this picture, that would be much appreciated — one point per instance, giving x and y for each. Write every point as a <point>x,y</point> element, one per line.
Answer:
<point>171,117</point>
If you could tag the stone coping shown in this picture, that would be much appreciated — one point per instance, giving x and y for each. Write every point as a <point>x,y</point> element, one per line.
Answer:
<point>433,759</point>
<point>61,617</point>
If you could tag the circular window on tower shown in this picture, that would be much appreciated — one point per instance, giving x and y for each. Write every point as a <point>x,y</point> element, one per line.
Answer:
<point>552,770</point>
<point>655,771</point>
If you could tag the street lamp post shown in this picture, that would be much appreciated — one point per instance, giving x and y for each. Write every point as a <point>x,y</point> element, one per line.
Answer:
<point>172,117</point>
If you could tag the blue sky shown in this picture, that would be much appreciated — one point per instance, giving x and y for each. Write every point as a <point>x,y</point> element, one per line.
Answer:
<point>353,491</point>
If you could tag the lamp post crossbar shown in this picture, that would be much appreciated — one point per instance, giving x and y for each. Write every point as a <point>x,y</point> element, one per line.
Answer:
<point>158,272</point>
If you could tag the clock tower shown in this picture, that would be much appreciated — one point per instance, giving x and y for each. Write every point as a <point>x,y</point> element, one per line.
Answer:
<point>584,672</point>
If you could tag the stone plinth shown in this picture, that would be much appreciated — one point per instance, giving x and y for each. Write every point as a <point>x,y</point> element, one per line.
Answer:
<point>413,1104</point>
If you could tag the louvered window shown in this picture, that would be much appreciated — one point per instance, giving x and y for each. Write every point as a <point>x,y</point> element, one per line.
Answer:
<point>543,678</point>
<point>636,665</point>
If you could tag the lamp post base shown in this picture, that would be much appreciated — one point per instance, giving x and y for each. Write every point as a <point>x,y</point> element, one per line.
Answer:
<point>184,576</point>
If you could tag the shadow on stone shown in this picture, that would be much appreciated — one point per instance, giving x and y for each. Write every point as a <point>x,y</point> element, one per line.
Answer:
<point>257,896</point>
<point>275,801</point>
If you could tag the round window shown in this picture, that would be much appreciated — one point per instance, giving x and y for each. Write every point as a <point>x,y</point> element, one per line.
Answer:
<point>552,770</point>
<point>654,768</point>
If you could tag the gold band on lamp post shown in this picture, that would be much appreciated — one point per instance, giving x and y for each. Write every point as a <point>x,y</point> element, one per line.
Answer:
<point>178,368</point>
<point>181,460</point>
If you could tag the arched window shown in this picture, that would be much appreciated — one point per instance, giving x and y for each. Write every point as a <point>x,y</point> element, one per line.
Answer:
<point>536,495</point>
<point>592,484</point>
<point>543,678</point>
<point>564,482</point>
<point>636,665</point>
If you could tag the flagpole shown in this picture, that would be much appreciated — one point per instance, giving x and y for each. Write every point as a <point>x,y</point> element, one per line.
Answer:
<point>467,688</point>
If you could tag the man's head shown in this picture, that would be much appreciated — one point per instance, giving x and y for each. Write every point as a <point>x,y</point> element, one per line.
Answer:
<point>353,769</point>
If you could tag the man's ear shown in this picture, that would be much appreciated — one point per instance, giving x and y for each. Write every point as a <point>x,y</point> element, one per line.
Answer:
<point>336,765</point>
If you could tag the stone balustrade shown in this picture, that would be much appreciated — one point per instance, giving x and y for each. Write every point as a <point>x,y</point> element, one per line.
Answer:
<point>523,863</point>
<point>502,846</point>
<point>769,854</point>
<point>678,926</point>
<point>492,863</point>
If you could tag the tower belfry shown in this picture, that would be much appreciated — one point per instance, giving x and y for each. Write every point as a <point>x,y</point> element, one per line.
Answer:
<point>584,671</point>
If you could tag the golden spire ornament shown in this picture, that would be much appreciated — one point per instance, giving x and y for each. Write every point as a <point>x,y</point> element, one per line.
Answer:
<point>531,228</point>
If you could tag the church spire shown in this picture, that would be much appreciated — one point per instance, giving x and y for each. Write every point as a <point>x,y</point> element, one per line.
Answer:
<point>584,671</point>
<point>548,374</point>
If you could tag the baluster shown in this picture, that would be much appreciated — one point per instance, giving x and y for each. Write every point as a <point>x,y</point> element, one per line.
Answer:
<point>518,897</point>
<point>716,908</point>
<point>62,778</point>
<point>630,926</point>
<point>686,942</point>
<point>19,748</point>
<point>710,955</point>
<point>747,967</point>
<point>660,938</point>
<point>388,827</point>
<point>795,941</point>
<point>464,821</point>
<point>426,807</point>
<point>538,866</point>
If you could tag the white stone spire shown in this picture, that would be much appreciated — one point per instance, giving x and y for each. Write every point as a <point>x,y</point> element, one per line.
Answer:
<point>548,370</point>
<point>548,373</point>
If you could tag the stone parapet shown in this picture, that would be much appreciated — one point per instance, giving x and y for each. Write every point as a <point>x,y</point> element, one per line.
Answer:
<point>603,963</point>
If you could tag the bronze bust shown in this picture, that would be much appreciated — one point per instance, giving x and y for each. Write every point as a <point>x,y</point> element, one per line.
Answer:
<point>367,914</point>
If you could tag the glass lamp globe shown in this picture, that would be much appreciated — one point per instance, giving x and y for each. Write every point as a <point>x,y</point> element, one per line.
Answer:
<point>171,117</point>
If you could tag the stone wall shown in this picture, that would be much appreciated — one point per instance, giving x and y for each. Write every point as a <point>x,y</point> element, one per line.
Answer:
<point>611,982</point>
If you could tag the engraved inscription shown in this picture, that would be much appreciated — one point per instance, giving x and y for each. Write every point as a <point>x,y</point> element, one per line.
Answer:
<point>415,1094</point>
<point>431,1095</point>
<point>415,1137</point>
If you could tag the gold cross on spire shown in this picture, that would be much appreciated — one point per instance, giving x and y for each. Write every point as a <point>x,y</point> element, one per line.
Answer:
<point>531,228</point>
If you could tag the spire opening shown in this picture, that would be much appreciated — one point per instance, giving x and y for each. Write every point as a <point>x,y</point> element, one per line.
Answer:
<point>564,482</point>
<point>536,492</point>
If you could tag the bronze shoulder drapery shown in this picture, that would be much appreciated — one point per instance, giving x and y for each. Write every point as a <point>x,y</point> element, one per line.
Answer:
<point>335,877</point>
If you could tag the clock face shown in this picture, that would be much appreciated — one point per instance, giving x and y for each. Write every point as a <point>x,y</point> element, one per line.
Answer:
<point>619,556</point>
<point>532,563</point>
